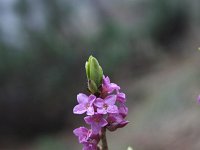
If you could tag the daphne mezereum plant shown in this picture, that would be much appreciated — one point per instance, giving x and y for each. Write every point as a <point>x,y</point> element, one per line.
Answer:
<point>104,106</point>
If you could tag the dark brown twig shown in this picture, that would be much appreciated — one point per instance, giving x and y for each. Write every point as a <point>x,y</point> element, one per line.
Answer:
<point>103,139</point>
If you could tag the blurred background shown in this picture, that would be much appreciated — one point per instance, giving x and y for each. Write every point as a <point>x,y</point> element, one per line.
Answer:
<point>148,47</point>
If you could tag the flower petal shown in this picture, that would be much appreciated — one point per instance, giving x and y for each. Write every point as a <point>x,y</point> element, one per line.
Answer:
<point>114,86</point>
<point>99,102</point>
<point>95,128</point>
<point>121,97</point>
<point>80,131</point>
<point>106,80</point>
<point>101,111</point>
<point>103,122</point>
<point>82,134</point>
<point>91,99</point>
<point>122,124</point>
<point>90,111</point>
<point>88,119</point>
<point>110,100</point>
<point>82,98</point>
<point>112,109</point>
<point>79,109</point>
<point>89,146</point>
<point>123,110</point>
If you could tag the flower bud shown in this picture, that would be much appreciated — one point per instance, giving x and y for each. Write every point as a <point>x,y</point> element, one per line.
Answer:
<point>92,87</point>
<point>94,74</point>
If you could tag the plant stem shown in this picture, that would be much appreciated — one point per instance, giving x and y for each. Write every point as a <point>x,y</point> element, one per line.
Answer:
<point>103,139</point>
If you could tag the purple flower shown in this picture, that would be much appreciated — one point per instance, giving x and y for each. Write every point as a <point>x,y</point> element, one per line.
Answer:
<point>85,104</point>
<point>108,87</point>
<point>86,138</point>
<point>82,133</point>
<point>96,121</point>
<point>121,97</point>
<point>116,121</point>
<point>123,110</point>
<point>107,105</point>
<point>90,145</point>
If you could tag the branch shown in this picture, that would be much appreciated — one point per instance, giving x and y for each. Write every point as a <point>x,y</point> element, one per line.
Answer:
<point>103,139</point>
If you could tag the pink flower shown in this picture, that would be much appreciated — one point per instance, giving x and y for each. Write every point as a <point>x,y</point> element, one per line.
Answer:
<point>107,105</point>
<point>86,138</point>
<point>123,110</point>
<point>96,121</point>
<point>121,97</point>
<point>85,104</point>
<point>90,145</point>
<point>116,121</point>
<point>108,87</point>
<point>82,133</point>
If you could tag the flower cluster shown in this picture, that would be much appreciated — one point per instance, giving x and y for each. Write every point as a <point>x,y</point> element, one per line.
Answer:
<point>105,110</point>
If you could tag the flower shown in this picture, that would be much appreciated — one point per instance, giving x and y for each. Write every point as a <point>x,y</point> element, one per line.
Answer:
<point>107,105</point>
<point>82,133</point>
<point>108,87</point>
<point>90,145</point>
<point>96,121</point>
<point>85,104</point>
<point>123,110</point>
<point>116,121</point>
<point>86,138</point>
<point>121,97</point>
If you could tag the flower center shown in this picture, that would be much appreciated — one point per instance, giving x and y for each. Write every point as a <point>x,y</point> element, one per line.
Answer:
<point>87,105</point>
<point>105,106</point>
<point>91,141</point>
<point>97,120</point>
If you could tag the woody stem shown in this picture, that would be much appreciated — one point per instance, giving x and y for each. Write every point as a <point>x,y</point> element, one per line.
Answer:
<point>103,139</point>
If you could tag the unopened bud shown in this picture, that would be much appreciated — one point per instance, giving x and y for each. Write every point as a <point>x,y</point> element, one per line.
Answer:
<point>94,74</point>
<point>92,86</point>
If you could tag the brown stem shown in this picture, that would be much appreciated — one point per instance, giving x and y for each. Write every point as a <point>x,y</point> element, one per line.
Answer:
<point>103,139</point>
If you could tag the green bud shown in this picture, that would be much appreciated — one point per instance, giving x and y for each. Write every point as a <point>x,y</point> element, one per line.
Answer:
<point>92,86</point>
<point>87,68</point>
<point>94,72</point>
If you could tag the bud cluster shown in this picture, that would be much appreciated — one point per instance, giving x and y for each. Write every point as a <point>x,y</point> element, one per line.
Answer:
<point>105,107</point>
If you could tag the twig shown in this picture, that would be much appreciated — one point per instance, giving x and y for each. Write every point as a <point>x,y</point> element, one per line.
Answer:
<point>103,139</point>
